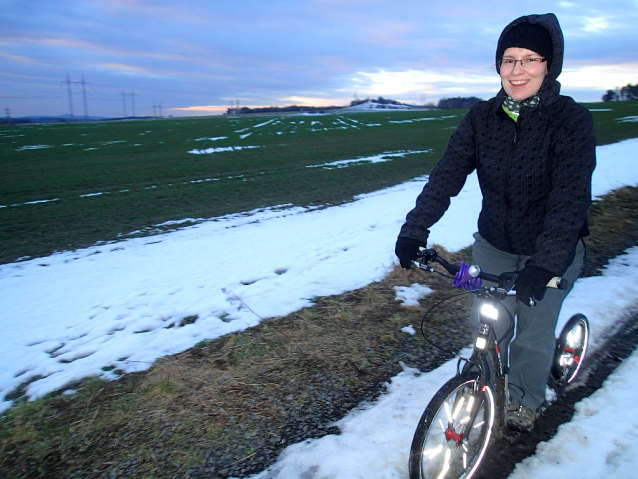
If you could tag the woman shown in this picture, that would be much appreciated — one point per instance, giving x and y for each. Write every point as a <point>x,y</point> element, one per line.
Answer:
<point>534,153</point>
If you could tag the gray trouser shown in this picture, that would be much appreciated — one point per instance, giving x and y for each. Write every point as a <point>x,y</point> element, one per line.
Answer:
<point>531,353</point>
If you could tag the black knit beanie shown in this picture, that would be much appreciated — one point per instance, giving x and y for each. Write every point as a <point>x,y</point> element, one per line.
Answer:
<point>530,36</point>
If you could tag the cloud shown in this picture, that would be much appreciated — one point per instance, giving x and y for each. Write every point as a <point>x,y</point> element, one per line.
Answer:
<point>207,108</point>
<point>130,69</point>
<point>603,77</point>
<point>391,33</point>
<point>414,81</point>
<point>197,52</point>
<point>17,58</point>
<point>596,25</point>
<point>308,101</point>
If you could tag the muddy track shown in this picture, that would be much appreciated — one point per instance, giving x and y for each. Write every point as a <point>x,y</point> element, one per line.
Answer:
<point>514,447</point>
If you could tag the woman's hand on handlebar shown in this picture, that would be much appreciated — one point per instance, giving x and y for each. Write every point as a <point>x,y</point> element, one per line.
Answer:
<point>407,250</point>
<point>532,283</point>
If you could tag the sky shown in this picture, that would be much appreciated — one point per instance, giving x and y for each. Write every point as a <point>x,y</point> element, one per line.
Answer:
<point>199,57</point>
<point>68,315</point>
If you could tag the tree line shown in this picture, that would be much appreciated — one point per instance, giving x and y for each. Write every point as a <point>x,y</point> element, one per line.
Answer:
<point>457,102</point>
<point>281,109</point>
<point>628,92</point>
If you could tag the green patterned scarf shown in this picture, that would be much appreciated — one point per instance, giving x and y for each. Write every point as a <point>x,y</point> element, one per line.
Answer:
<point>513,107</point>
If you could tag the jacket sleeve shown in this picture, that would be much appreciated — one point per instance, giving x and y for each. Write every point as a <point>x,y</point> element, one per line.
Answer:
<point>570,195</point>
<point>445,181</point>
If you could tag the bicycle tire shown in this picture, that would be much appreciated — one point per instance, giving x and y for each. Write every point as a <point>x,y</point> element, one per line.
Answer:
<point>450,452</point>
<point>571,349</point>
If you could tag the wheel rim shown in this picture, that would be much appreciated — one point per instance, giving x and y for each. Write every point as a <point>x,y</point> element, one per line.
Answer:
<point>454,448</point>
<point>573,350</point>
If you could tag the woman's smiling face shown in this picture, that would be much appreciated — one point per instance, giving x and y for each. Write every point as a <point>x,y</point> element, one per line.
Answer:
<point>521,83</point>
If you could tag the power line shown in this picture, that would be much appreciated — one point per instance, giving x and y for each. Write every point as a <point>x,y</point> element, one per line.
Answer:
<point>86,111</point>
<point>124,102</point>
<point>36,96</point>
<point>88,93</point>
<point>133,102</point>
<point>101,96</point>
<point>68,84</point>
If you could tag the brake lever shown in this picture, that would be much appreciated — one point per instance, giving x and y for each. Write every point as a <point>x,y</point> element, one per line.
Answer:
<point>509,286</point>
<point>422,265</point>
<point>427,255</point>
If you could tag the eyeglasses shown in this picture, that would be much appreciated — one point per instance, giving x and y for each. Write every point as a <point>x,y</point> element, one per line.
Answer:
<point>526,63</point>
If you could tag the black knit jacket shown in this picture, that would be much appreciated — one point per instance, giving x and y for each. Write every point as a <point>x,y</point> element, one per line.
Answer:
<point>535,174</point>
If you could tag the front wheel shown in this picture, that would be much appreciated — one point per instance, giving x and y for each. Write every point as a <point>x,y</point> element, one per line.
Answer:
<point>454,431</point>
<point>571,348</point>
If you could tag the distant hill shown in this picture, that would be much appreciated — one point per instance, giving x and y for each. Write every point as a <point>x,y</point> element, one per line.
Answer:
<point>377,105</point>
<point>380,103</point>
<point>367,104</point>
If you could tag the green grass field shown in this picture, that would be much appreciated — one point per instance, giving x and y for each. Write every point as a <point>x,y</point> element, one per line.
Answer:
<point>65,186</point>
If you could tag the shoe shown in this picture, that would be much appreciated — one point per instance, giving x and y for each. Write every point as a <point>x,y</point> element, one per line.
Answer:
<point>521,418</point>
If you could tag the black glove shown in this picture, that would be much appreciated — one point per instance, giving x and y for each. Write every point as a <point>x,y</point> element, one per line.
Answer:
<point>406,249</point>
<point>532,283</point>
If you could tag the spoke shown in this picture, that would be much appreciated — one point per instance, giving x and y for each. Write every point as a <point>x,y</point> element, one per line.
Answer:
<point>458,409</point>
<point>432,453</point>
<point>443,428</point>
<point>470,403</point>
<point>479,425</point>
<point>446,465</point>
<point>448,412</point>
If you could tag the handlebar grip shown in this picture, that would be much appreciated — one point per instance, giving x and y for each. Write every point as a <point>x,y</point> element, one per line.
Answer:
<point>558,283</point>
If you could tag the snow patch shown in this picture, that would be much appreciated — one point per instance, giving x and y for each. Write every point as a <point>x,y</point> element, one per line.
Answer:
<point>409,296</point>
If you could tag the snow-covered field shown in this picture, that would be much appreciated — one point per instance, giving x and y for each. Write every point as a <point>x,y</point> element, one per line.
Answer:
<point>125,304</point>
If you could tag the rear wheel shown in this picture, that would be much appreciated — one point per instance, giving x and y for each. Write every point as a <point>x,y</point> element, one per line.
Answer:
<point>571,348</point>
<point>454,431</point>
